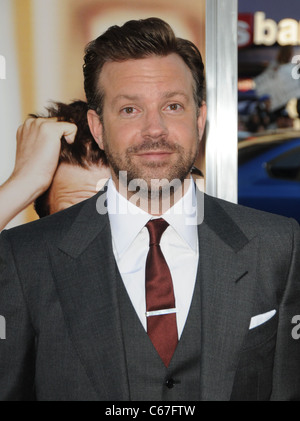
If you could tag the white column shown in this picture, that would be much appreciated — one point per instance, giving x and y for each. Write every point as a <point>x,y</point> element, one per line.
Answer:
<point>221,76</point>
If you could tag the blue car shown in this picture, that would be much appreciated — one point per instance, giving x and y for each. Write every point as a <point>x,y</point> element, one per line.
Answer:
<point>269,174</point>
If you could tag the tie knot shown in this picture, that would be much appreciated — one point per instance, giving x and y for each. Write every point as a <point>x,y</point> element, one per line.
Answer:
<point>156,228</point>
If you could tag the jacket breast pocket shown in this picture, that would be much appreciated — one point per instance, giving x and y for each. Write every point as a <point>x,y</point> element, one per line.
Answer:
<point>254,374</point>
<point>261,334</point>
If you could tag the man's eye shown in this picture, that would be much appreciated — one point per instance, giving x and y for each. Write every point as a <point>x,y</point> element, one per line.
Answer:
<point>128,110</point>
<point>174,107</point>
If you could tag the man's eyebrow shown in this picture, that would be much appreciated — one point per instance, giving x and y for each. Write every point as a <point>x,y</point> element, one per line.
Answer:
<point>165,95</point>
<point>171,94</point>
<point>126,97</point>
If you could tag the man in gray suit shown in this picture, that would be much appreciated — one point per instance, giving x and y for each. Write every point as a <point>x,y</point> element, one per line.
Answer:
<point>73,292</point>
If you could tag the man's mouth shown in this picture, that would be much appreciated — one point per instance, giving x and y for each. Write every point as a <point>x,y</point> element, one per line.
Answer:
<point>154,155</point>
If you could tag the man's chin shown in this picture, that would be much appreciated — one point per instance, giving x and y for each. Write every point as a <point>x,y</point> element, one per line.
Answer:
<point>153,176</point>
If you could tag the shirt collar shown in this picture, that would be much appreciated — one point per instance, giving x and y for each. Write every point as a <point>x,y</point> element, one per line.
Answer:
<point>127,220</point>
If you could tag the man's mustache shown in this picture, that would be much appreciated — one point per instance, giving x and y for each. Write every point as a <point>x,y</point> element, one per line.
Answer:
<point>151,145</point>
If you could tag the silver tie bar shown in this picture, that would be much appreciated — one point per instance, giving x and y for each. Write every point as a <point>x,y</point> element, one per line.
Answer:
<point>161,312</point>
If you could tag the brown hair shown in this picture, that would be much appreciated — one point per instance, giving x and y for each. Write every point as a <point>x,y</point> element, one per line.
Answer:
<point>84,152</point>
<point>138,39</point>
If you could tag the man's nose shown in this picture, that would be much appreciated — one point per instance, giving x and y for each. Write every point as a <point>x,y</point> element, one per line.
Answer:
<point>154,125</point>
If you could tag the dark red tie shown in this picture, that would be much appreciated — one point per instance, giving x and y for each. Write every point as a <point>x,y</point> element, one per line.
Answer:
<point>160,300</point>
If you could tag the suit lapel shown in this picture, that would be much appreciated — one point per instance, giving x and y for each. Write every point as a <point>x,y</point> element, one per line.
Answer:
<point>85,272</point>
<point>227,273</point>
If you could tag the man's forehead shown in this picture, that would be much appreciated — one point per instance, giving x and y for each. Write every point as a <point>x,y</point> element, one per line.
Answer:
<point>169,71</point>
<point>73,184</point>
<point>173,59</point>
<point>73,178</point>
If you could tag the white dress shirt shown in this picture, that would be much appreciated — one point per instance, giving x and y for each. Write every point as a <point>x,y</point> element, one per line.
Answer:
<point>179,244</point>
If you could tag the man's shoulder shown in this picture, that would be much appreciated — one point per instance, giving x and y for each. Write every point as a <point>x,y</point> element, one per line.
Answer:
<point>251,221</point>
<point>55,225</point>
<point>58,221</point>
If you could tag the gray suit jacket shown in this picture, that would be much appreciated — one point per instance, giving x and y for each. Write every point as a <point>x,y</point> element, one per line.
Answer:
<point>63,331</point>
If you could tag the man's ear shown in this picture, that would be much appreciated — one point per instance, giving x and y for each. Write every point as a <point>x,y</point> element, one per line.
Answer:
<point>202,119</point>
<point>96,127</point>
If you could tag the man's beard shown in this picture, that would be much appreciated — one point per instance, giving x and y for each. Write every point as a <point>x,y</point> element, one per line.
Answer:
<point>156,175</point>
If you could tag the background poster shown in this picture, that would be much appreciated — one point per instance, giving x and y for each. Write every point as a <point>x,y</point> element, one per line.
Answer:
<point>41,53</point>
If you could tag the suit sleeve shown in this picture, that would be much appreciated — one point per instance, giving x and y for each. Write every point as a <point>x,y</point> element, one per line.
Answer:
<point>286,378</point>
<point>17,338</point>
